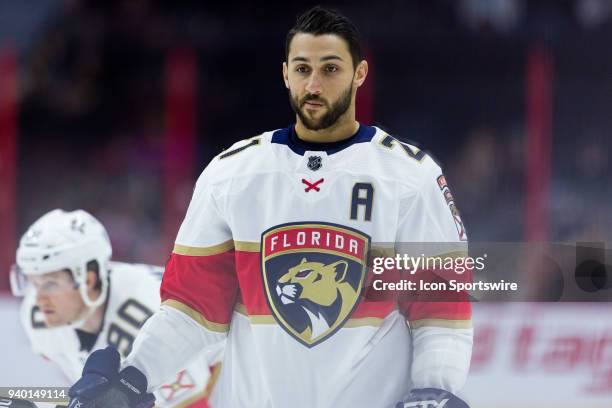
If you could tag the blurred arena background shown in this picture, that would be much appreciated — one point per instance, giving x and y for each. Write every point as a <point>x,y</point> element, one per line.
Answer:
<point>117,106</point>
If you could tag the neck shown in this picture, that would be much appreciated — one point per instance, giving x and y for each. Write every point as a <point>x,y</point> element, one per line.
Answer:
<point>341,130</point>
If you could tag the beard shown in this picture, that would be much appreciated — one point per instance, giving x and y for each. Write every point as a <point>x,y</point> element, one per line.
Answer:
<point>329,118</point>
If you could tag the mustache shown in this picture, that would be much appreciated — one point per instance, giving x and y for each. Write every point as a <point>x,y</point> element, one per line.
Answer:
<point>310,97</point>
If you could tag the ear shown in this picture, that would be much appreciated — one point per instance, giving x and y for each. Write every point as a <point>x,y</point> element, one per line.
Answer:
<point>286,74</point>
<point>303,260</point>
<point>341,268</point>
<point>361,73</point>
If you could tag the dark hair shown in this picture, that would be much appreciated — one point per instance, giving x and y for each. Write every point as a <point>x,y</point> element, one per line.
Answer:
<point>319,21</point>
<point>93,267</point>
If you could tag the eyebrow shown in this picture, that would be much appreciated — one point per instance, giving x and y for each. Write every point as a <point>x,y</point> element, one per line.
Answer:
<point>323,59</point>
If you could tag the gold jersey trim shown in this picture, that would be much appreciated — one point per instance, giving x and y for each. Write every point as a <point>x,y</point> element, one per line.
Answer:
<point>212,381</point>
<point>247,246</point>
<point>197,316</point>
<point>445,323</point>
<point>203,251</point>
<point>269,319</point>
<point>364,321</point>
<point>240,308</point>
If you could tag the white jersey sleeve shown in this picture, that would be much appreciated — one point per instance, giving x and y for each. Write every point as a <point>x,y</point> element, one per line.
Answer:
<point>134,297</point>
<point>442,332</point>
<point>198,291</point>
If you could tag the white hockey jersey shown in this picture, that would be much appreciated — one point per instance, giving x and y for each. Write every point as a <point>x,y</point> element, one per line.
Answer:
<point>133,298</point>
<point>273,255</point>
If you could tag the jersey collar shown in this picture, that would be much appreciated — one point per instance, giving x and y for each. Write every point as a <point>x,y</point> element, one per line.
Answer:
<point>289,137</point>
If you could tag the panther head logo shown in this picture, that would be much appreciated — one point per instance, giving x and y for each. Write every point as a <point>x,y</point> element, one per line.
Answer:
<point>320,290</point>
<point>313,275</point>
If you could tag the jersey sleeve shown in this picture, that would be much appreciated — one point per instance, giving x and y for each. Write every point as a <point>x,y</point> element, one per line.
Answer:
<point>431,227</point>
<point>198,291</point>
<point>200,278</point>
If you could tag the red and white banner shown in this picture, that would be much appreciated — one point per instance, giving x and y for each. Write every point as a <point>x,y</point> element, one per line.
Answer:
<point>547,355</point>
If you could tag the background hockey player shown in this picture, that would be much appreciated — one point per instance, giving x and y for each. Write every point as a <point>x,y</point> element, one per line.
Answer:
<point>272,256</point>
<point>77,301</point>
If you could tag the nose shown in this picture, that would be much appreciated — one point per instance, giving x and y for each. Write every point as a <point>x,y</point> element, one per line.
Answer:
<point>313,86</point>
<point>41,298</point>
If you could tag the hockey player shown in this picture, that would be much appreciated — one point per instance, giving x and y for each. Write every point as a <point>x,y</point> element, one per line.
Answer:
<point>77,301</point>
<point>272,257</point>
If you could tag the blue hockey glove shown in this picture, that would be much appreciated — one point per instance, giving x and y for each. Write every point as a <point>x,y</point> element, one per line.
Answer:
<point>103,386</point>
<point>431,398</point>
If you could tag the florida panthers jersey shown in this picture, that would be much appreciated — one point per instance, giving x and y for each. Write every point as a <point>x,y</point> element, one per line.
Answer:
<point>133,298</point>
<point>273,255</point>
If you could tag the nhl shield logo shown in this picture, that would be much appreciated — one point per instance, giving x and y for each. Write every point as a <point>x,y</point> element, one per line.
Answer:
<point>315,162</point>
<point>313,275</point>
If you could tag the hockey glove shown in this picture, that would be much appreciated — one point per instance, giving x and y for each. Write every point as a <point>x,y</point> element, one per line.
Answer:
<point>431,398</point>
<point>103,386</point>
